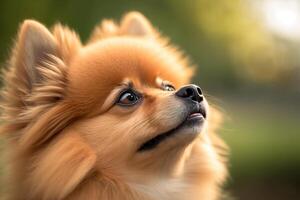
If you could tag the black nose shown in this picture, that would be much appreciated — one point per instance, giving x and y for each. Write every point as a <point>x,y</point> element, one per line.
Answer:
<point>191,91</point>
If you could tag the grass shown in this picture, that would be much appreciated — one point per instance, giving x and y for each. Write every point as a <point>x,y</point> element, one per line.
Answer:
<point>263,147</point>
<point>263,140</point>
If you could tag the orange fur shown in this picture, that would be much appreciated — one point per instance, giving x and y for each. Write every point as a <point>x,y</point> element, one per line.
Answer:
<point>68,140</point>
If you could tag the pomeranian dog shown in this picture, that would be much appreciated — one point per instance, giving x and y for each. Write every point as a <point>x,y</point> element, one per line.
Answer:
<point>112,119</point>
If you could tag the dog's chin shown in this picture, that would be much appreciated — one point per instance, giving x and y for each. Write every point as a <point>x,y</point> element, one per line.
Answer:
<point>185,132</point>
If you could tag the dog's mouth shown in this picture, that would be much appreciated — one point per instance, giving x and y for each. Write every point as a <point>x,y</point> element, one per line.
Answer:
<point>195,118</point>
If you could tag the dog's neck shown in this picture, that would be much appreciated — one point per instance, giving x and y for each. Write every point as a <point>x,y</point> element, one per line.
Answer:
<point>196,181</point>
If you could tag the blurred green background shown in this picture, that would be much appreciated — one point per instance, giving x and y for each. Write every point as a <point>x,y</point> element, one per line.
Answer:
<point>248,58</point>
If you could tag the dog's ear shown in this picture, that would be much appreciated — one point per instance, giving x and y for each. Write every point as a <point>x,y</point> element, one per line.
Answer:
<point>38,49</point>
<point>36,73</point>
<point>132,24</point>
<point>136,24</point>
<point>35,44</point>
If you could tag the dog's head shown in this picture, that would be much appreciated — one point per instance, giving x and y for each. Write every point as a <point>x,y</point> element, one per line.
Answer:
<point>137,109</point>
<point>124,98</point>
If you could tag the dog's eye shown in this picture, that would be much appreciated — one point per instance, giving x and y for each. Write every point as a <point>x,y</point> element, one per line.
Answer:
<point>168,87</point>
<point>128,98</point>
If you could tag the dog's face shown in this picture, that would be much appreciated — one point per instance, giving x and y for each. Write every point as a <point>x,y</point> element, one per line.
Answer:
<point>139,114</point>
